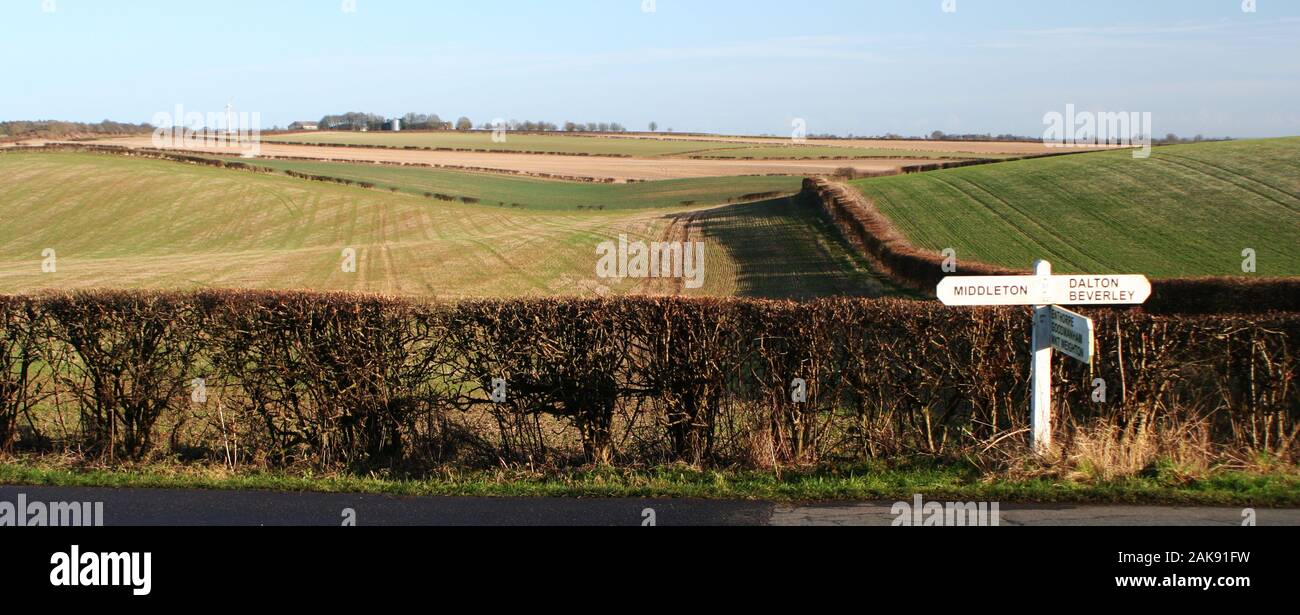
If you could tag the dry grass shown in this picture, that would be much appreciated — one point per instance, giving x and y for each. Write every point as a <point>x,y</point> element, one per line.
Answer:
<point>1105,450</point>
<point>135,223</point>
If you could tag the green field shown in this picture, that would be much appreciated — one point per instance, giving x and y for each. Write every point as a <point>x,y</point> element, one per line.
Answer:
<point>604,146</point>
<point>139,223</point>
<point>1189,210</point>
<point>529,193</point>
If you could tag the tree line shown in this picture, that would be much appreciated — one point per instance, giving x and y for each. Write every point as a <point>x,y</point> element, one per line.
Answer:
<point>55,128</point>
<point>356,120</point>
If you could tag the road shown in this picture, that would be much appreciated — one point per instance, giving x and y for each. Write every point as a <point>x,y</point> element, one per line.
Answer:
<point>150,507</point>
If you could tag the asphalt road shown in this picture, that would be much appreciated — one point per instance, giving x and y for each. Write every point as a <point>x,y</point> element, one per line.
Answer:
<point>150,507</point>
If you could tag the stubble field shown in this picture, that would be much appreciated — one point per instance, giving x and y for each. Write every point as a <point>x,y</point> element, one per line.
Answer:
<point>134,223</point>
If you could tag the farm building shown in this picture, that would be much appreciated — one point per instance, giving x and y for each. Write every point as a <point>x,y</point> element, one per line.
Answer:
<point>304,126</point>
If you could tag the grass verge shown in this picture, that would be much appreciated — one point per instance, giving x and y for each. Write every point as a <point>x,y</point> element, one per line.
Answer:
<point>870,482</point>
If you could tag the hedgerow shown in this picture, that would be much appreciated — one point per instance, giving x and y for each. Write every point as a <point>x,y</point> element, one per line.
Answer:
<point>326,380</point>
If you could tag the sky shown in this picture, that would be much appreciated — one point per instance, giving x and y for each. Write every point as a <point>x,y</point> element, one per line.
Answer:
<point>865,67</point>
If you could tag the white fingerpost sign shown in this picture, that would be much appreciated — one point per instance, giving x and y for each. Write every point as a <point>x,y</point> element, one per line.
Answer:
<point>1073,334</point>
<point>1054,327</point>
<point>1045,290</point>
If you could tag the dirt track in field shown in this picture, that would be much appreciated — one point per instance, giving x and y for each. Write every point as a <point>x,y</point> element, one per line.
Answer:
<point>571,166</point>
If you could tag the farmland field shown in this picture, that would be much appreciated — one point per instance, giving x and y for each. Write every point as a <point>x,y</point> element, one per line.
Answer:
<point>592,145</point>
<point>988,149</point>
<point>480,140</point>
<point>546,195</point>
<point>137,223</point>
<point>1189,210</point>
<point>815,152</point>
<point>624,169</point>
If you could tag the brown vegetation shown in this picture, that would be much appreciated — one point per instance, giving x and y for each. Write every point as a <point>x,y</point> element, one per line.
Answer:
<point>295,379</point>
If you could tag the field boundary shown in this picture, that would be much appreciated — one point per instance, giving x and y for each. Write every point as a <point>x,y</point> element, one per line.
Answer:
<point>331,380</point>
<point>702,154</point>
<point>201,157</point>
<point>907,265</point>
<point>462,150</point>
<point>207,159</point>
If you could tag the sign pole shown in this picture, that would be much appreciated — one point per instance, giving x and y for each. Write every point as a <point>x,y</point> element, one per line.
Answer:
<point>1055,328</point>
<point>1041,407</point>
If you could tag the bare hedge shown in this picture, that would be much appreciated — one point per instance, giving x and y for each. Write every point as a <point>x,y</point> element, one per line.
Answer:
<point>299,379</point>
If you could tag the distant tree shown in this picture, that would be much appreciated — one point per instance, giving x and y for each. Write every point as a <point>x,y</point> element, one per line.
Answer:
<point>353,120</point>
<point>464,123</point>
<point>54,128</point>
<point>937,135</point>
<point>421,121</point>
<point>654,127</point>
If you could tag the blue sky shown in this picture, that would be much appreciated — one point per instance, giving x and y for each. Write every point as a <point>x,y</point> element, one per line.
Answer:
<point>862,66</point>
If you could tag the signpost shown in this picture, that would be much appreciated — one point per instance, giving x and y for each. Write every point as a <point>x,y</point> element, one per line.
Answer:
<point>1073,334</point>
<point>1054,327</point>
<point>1045,290</point>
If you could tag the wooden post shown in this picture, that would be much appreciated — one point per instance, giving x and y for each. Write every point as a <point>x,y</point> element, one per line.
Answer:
<point>1041,376</point>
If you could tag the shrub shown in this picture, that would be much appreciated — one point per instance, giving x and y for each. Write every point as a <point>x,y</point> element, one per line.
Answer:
<point>327,380</point>
<point>17,367</point>
<point>126,358</point>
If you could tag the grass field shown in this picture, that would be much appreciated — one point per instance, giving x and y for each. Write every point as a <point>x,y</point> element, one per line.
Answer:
<point>568,144</point>
<point>138,223</point>
<point>544,195</point>
<point>1189,210</point>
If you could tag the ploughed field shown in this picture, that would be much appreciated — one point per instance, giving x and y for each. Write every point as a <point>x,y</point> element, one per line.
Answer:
<point>614,145</point>
<point>1187,211</point>
<point>590,167</point>
<point>124,222</point>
